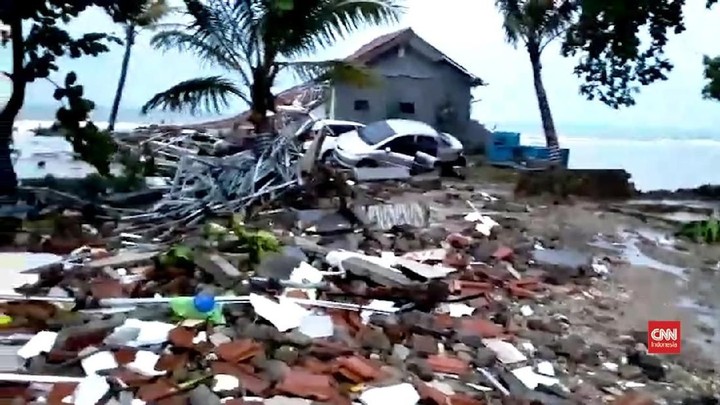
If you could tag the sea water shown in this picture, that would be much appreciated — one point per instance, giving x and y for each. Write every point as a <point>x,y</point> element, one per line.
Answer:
<point>39,156</point>
<point>654,161</point>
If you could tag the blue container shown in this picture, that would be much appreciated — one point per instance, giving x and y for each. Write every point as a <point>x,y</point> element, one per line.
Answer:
<point>501,146</point>
<point>542,153</point>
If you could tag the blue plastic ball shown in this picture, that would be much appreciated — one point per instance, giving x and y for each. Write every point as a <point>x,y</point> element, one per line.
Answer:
<point>204,303</point>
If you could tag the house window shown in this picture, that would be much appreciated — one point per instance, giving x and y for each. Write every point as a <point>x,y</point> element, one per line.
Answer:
<point>362,105</point>
<point>407,108</point>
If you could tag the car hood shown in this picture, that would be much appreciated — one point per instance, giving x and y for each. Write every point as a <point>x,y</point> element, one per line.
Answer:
<point>351,142</point>
<point>454,142</point>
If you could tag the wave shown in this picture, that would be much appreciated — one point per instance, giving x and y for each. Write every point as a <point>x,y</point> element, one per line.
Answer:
<point>25,130</point>
<point>26,127</point>
<point>569,141</point>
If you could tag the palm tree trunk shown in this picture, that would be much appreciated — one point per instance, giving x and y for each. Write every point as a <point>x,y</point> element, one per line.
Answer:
<point>8,178</point>
<point>551,138</point>
<point>129,42</point>
<point>260,105</point>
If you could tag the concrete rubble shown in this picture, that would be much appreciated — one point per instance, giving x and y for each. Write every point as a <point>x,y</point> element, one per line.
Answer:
<point>455,313</point>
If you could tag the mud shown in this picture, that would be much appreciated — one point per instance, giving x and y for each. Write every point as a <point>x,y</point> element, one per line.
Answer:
<point>658,278</point>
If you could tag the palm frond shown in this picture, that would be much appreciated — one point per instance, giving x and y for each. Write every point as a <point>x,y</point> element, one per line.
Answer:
<point>535,21</point>
<point>219,24</point>
<point>320,23</point>
<point>182,41</point>
<point>513,25</point>
<point>155,10</point>
<point>333,71</point>
<point>195,95</point>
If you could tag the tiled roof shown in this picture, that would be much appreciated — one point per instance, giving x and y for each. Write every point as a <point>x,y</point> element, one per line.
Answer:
<point>368,52</point>
<point>363,51</point>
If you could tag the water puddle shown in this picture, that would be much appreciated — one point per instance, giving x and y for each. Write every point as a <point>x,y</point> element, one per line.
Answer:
<point>629,249</point>
<point>602,243</point>
<point>708,317</point>
<point>636,257</point>
<point>682,216</point>
<point>676,203</point>
<point>561,257</point>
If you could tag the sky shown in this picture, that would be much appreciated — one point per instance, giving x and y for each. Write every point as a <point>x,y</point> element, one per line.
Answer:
<point>468,31</point>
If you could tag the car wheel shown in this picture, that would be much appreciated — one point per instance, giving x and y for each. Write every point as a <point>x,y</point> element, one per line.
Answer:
<point>326,157</point>
<point>461,161</point>
<point>366,163</point>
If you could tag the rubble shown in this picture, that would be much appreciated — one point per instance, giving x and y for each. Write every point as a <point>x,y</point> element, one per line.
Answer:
<point>457,313</point>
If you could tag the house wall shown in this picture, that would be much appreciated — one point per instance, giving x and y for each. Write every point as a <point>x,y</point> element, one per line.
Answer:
<point>411,76</point>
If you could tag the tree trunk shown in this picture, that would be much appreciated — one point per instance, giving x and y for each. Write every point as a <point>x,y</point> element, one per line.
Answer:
<point>8,178</point>
<point>129,42</point>
<point>551,138</point>
<point>260,105</point>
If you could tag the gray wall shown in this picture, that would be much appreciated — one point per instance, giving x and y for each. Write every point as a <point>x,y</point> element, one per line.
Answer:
<point>413,77</point>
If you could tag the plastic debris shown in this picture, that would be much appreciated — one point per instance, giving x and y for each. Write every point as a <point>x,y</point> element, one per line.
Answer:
<point>284,314</point>
<point>42,342</point>
<point>317,326</point>
<point>201,307</point>
<point>400,394</point>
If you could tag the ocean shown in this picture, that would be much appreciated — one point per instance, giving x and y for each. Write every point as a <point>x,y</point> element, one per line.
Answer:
<point>657,158</point>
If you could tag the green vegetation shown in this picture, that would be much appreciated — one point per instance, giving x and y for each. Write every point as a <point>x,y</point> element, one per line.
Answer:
<point>94,145</point>
<point>621,47</point>
<point>37,40</point>
<point>257,243</point>
<point>706,231</point>
<point>255,40</point>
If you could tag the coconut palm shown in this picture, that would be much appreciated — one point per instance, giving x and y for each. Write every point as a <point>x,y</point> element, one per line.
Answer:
<point>254,40</point>
<point>153,12</point>
<point>535,24</point>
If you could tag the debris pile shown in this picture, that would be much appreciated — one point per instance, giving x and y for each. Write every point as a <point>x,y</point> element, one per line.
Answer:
<point>206,184</point>
<point>292,312</point>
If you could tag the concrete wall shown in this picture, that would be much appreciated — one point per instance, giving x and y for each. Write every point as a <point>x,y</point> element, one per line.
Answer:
<point>411,74</point>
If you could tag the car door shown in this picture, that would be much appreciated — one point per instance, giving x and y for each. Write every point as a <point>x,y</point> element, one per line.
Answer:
<point>399,151</point>
<point>428,144</point>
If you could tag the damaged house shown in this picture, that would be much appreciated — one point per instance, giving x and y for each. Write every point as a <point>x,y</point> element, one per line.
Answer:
<point>413,80</point>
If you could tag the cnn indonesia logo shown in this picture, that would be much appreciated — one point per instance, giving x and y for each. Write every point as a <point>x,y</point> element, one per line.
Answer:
<point>664,337</point>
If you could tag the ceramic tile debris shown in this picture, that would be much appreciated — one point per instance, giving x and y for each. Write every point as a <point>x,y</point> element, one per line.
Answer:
<point>248,284</point>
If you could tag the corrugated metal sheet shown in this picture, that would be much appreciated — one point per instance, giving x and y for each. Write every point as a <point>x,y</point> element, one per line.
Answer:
<point>385,216</point>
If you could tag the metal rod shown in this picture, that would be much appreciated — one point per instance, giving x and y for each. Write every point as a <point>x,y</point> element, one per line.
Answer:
<point>13,377</point>
<point>494,381</point>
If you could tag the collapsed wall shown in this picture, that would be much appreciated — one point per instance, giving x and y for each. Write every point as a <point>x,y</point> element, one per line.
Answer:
<point>591,183</point>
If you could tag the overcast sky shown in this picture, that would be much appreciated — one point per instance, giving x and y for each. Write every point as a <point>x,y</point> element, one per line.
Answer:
<point>468,31</point>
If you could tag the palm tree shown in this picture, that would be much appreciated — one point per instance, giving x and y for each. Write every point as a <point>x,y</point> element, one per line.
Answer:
<point>154,11</point>
<point>535,24</point>
<point>255,40</point>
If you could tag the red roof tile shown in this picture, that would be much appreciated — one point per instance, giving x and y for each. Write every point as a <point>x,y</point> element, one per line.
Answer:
<point>376,43</point>
<point>374,48</point>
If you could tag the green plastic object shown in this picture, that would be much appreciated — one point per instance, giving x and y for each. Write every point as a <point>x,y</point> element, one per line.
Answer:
<point>184,307</point>
<point>5,320</point>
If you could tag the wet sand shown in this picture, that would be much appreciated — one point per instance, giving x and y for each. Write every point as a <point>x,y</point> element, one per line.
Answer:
<point>657,277</point>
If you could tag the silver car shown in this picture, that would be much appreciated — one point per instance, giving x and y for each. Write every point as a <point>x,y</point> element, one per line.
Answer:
<point>331,128</point>
<point>398,142</point>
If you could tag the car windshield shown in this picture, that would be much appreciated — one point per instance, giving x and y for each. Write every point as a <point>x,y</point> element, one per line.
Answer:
<point>375,132</point>
<point>444,139</point>
<point>340,129</point>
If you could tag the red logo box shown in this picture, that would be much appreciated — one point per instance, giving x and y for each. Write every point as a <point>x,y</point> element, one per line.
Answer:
<point>664,337</point>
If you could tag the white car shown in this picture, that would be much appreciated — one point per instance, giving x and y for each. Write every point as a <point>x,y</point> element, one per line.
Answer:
<point>398,142</point>
<point>332,128</point>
